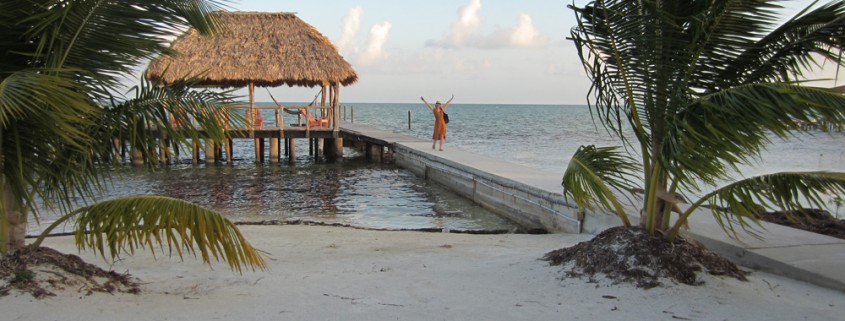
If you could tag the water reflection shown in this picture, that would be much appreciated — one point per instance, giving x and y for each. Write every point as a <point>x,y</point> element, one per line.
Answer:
<point>352,192</point>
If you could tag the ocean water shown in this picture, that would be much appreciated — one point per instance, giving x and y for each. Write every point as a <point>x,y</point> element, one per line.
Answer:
<point>358,193</point>
<point>546,136</point>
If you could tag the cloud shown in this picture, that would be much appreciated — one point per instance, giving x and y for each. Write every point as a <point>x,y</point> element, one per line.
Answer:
<point>374,51</point>
<point>351,26</point>
<point>525,35</point>
<point>465,32</point>
<point>467,24</point>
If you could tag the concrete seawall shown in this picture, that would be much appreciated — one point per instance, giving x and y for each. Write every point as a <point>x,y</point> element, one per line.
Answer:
<point>532,198</point>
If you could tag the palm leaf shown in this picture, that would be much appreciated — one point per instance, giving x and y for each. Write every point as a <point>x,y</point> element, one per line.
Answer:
<point>728,128</point>
<point>594,173</point>
<point>155,103</point>
<point>744,200</point>
<point>792,48</point>
<point>61,63</point>
<point>37,154</point>
<point>136,222</point>
<point>108,39</point>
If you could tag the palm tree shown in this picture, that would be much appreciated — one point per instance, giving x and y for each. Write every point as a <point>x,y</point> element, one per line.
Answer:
<point>696,88</point>
<point>61,62</point>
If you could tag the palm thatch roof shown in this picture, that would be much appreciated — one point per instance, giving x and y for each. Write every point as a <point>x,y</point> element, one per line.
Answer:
<point>266,48</point>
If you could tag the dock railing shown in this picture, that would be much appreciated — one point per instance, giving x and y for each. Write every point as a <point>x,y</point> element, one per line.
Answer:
<point>278,121</point>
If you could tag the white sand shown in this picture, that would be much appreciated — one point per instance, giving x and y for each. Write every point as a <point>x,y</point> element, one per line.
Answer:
<point>331,273</point>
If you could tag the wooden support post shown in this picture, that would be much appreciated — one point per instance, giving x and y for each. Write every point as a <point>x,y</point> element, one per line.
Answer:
<point>375,152</point>
<point>260,147</point>
<point>335,109</point>
<point>229,152</point>
<point>318,144</point>
<point>274,150</point>
<point>292,151</point>
<point>195,157</point>
<point>210,155</point>
<point>287,144</point>
<point>137,157</point>
<point>334,149</point>
<point>258,156</point>
<point>409,119</point>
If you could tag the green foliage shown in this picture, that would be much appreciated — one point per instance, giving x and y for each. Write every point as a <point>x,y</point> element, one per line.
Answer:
<point>698,87</point>
<point>60,70</point>
<point>129,223</point>
<point>591,174</point>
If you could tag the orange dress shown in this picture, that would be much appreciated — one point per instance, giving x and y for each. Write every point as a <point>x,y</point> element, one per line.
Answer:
<point>439,125</point>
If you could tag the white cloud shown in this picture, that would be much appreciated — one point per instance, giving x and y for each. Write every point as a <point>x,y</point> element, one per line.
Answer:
<point>465,32</point>
<point>467,24</point>
<point>374,51</point>
<point>525,35</point>
<point>351,26</point>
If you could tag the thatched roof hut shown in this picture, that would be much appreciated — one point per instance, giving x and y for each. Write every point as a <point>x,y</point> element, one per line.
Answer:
<point>267,49</point>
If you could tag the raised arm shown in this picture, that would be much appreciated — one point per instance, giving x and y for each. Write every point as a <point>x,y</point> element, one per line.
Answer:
<point>448,102</point>
<point>426,103</point>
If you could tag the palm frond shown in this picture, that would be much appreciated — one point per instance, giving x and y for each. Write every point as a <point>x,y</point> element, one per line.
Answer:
<point>730,127</point>
<point>791,49</point>
<point>175,111</point>
<point>594,173</point>
<point>109,38</point>
<point>129,223</point>
<point>743,201</point>
<point>29,100</point>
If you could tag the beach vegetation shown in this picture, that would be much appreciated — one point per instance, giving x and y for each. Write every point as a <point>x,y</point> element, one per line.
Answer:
<point>62,106</point>
<point>694,89</point>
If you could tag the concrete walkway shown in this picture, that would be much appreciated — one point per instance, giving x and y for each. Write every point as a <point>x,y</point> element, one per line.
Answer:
<point>794,253</point>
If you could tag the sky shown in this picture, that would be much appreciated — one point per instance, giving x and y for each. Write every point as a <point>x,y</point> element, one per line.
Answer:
<point>482,51</point>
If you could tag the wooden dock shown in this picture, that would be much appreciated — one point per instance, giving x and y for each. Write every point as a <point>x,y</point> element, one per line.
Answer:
<point>326,141</point>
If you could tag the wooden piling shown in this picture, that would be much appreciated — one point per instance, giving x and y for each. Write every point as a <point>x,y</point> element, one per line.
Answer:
<point>229,152</point>
<point>258,155</point>
<point>334,150</point>
<point>292,150</point>
<point>137,157</point>
<point>318,146</point>
<point>375,152</point>
<point>195,155</point>
<point>210,152</point>
<point>274,150</point>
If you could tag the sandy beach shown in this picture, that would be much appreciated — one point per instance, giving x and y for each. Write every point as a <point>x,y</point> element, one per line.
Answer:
<point>336,273</point>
